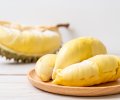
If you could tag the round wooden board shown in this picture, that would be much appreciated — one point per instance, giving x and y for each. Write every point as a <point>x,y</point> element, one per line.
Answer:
<point>98,90</point>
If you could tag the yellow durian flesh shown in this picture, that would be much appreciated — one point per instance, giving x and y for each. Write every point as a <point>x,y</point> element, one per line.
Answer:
<point>44,66</point>
<point>96,70</point>
<point>25,44</point>
<point>78,50</point>
<point>30,42</point>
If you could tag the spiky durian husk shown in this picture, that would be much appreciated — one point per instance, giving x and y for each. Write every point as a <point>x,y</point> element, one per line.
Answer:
<point>19,58</point>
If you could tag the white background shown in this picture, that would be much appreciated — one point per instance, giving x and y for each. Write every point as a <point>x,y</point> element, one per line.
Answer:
<point>98,18</point>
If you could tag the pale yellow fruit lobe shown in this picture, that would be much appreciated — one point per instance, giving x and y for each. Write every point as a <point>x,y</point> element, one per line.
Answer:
<point>44,66</point>
<point>78,50</point>
<point>96,70</point>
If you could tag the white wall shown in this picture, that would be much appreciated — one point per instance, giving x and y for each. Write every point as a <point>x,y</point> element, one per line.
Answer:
<point>98,18</point>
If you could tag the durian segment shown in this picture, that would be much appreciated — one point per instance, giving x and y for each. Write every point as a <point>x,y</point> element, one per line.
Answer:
<point>30,42</point>
<point>27,43</point>
<point>44,66</point>
<point>78,50</point>
<point>96,70</point>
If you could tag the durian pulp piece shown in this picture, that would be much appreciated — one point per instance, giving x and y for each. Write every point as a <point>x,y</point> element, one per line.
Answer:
<point>96,70</point>
<point>78,50</point>
<point>27,43</point>
<point>44,66</point>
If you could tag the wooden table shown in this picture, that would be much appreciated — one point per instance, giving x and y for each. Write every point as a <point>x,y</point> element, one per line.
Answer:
<point>14,85</point>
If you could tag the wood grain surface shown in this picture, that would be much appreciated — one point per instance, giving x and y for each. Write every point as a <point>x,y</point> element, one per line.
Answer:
<point>98,90</point>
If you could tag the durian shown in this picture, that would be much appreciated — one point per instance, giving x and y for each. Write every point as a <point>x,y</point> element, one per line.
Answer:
<point>76,51</point>
<point>44,67</point>
<point>28,43</point>
<point>96,70</point>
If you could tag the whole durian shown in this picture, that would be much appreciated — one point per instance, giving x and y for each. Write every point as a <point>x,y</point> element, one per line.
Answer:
<point>76,51</point>
<point>28,43</point>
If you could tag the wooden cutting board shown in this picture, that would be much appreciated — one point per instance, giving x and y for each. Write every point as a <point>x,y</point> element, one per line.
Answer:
<point>97,90</point>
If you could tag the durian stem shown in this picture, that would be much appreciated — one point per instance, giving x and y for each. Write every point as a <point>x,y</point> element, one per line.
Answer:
<point>54,28</point>
<point>66,25</point>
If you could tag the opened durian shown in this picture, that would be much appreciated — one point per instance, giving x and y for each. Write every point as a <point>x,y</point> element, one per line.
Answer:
<point>44,66</point>
<point>95,70</point>
<point>76,51</point>
<point>28,43</point>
